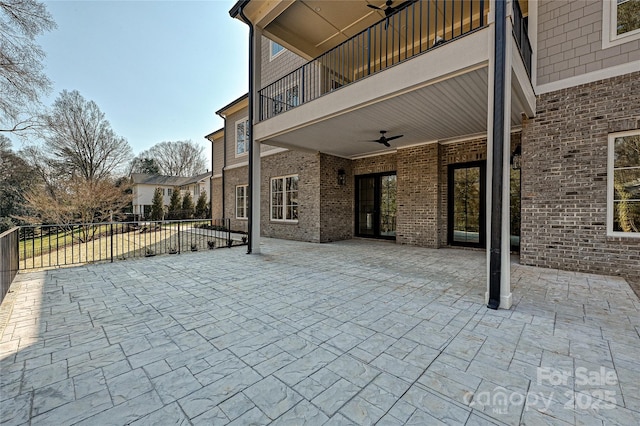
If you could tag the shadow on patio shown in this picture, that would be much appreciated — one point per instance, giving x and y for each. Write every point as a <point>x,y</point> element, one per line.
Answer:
<point>350,332</point>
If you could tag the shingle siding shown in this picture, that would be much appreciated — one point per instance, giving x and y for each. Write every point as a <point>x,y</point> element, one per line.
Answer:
<point>570,41</point>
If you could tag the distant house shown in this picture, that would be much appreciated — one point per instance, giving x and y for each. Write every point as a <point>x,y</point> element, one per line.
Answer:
<point>144,186</point>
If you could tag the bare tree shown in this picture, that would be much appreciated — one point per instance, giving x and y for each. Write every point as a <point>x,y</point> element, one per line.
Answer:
<point>179,158</point>
<point>81,140</point>
<point>77,200</point>
<point>22,79</point>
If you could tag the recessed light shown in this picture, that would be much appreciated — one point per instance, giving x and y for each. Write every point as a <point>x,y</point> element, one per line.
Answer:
<point>317,9</point>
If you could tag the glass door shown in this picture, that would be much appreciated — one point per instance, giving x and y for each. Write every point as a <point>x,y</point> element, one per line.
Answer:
<point>376,205</point>
<point>466,204</point>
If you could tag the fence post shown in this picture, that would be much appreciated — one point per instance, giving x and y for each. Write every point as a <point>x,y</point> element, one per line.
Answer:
<point>179,239</point>
<point>111,241</point>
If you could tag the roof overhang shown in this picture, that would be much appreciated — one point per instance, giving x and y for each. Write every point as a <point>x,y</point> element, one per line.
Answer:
<point>234,106</point>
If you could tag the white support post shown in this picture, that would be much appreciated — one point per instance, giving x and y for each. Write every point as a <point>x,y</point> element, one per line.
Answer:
<point>255,147</point>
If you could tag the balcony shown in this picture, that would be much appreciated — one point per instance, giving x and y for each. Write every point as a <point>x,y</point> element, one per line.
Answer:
<point>419,27</point>
<point>422,72</point>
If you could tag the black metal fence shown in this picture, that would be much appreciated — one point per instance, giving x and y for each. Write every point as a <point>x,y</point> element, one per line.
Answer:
<point>521,33</point>
<point>8,260</point>
<point>46,246</point>
<point>410,31</point>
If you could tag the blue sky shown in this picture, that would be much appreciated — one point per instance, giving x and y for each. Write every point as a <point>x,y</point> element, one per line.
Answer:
<point>158,69</point>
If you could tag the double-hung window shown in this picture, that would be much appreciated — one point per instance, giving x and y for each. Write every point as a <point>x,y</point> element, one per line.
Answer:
<point>621,22</point>
<point>284,198</point>
<point>242,201</point>
<point>242,137</point>
<point>623,209</point>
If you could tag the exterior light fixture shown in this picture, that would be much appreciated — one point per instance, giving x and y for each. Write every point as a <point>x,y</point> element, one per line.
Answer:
<point>342,177</point>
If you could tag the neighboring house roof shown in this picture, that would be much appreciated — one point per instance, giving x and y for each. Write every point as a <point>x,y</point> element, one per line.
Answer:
<point>145,179</point>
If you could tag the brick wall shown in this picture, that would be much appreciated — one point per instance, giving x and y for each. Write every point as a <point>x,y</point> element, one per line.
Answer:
<point>417,199</point>
<point>234,177</point>
<point>216,198</point>
<point>337,201</point>
<point>564,178</point>
<point>570,40</point>
<point>375,164</point>
<point>307,167</point>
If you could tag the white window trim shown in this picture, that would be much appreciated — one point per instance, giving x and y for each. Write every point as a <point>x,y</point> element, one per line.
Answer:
<point>244,120</point>
<point>284,198</point>
<point>271,55</point>
<point>246,201</point>
<point>609,25</point>
<point>610,160</point>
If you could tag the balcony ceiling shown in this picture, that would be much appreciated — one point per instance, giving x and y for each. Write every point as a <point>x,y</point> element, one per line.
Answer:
<point>450,109</point>
<point>311,27</point>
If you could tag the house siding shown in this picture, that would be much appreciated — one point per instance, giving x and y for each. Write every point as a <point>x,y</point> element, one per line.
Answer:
<point>564,178</point>
<point>570,41</point>
<point>218,156</point>
<point>281,65</point>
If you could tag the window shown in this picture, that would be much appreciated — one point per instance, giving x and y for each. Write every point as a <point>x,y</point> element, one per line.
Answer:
<point>275,49</point>
<point>242,137</point>
<point>169,192</point>
<point>623,210</point>
<point>278,106</point>
<point>291,99</point>
<point>242,201</point>
<point>284,198</point>
<point>621,22</point>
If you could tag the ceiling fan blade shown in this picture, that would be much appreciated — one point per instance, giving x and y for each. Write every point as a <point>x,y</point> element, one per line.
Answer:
<point>394,137</point>
<point>374,7</point>
<point>385,143</point>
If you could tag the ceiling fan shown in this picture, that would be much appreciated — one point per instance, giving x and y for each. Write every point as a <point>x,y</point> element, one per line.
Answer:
<point>389,9</point>
<point>385,140</point>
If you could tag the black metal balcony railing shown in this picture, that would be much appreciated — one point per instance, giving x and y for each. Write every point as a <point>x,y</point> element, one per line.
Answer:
<point>46,246</point>
<point>418,27</point>
<point>521,33</point>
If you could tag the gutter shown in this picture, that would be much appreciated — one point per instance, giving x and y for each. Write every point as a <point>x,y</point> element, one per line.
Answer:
<point>238,9</point>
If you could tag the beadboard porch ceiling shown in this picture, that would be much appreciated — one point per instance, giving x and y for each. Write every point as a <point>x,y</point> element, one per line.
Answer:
<point>450,109</point>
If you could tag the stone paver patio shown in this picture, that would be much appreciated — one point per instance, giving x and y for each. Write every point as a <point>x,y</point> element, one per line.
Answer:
<point>355,332</point>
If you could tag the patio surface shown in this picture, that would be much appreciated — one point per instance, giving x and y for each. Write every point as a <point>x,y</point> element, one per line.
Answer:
<point>354,332</point>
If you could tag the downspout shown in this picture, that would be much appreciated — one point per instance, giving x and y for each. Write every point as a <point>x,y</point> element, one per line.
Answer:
<point>251,153</point>
<point>495,256</point>
<point>224,157</point>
